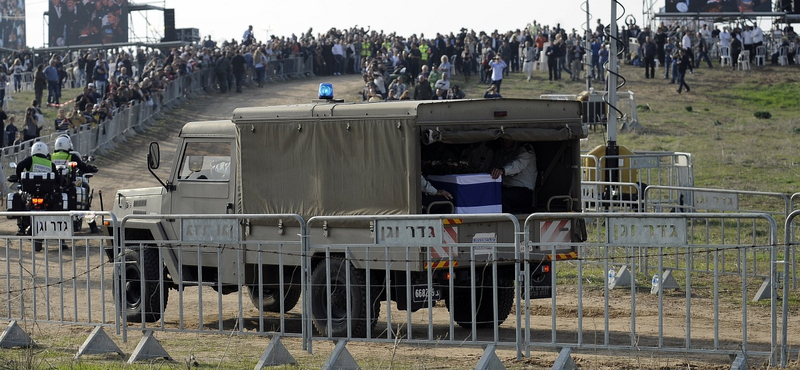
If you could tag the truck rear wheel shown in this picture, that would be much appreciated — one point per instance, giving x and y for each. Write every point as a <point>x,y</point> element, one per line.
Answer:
<point>338,300</point>
<point>272,297</point>
<point>141,288</point>
<point>484,301</point>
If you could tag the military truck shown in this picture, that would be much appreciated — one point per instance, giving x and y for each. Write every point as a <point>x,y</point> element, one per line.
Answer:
<point>334,158</point>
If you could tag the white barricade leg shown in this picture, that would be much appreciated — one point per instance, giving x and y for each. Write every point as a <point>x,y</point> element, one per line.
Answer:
<point>98,343</point>
<point>765,291</point>
<point>623,278</point>
<point>340,359</point>
<point>276,354</point>
<point>148,348</point>
<point>739,362</point>
<point>564,360</point>
<point>14,336</point>
<point>489,360</point>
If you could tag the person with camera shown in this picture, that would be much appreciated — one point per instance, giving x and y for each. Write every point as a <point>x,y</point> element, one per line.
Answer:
<point>30,130</point>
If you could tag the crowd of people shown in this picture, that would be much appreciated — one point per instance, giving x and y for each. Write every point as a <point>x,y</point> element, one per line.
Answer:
<point>108,82</point>
<point>393,67</point>
<point>682,50</point>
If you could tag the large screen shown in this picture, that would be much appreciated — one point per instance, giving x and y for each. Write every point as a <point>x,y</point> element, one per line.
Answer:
<point>718,6</point>
<point>84,22</point>
<point>12,24</point>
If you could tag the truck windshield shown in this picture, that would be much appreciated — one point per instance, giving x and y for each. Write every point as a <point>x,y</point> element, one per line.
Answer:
<point>209,161</point>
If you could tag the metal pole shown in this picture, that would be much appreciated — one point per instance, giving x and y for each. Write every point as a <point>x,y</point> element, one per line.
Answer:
<point>611,146</point>
<point>587,57</point>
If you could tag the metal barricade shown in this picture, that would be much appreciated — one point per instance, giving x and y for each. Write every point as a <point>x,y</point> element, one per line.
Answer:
<point>688,311</point>
<point>604,196</point>
<point>789,248</point>
<point>660,198</point>
<point>406,259</point>
<point>650,168</point>
<point>213,256</point>
<point>794,203</point>
<point>626,105</point>
<point>56,275</point>
<point>704,200</point>
<point>647,168</point>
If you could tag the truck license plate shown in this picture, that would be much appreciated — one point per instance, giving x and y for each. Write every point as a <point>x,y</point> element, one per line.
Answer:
<point>421,293</point>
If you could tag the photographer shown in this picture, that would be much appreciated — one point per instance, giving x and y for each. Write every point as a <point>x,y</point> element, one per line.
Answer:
<point>30,130</point>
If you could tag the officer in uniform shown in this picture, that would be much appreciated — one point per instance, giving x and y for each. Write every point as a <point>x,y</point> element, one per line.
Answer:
<point>37,162</point>
<point>424,49</point>
<point>62,155</point>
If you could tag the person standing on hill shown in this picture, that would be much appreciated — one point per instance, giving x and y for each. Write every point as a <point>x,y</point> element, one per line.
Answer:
<point>238,67</point>
<point>498,65</point>
<point>702,51</point>
<point>649,49</point>
<point>683,63</point>
<point>736,49</point>
<point>39,82</point>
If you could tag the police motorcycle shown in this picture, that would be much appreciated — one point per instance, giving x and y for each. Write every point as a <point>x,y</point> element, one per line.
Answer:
<point>76,184</point>
<point>38,189</point>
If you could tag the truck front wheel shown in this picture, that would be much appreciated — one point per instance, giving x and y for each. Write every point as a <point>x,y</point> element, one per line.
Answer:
<point>142,292</point>
<point>461,303</point>
<point>271,298</point>
<point>337,298</point>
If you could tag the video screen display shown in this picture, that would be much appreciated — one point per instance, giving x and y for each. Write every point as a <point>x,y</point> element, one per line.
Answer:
<point>84,22</point>
<point>718,6</point>
<point>12,24</point>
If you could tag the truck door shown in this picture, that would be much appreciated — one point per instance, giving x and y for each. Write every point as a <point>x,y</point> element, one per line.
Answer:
<point>204,182</point>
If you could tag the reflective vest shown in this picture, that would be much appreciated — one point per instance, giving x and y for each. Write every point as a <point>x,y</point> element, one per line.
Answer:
<point>387,45</point>
<point>61,157</point>
<point>423,49</point>
<point>366,47</point>
<point>40,164</point>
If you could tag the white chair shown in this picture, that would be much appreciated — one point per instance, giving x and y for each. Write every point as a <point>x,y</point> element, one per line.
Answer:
<point>761,55</point>
<point>783,58</point>
<point>744,60</point>
<point>725,56</point>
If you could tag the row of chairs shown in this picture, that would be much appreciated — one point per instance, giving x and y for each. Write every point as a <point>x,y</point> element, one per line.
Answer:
<point>743,61</point>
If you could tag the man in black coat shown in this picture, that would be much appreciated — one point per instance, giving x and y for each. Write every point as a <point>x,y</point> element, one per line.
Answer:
<point>239,65</point>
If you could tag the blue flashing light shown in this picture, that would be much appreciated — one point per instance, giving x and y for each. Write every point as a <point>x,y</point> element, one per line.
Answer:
<point>326,91</point>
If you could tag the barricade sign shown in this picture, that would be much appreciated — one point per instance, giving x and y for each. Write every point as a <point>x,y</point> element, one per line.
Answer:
<point>52,226</point>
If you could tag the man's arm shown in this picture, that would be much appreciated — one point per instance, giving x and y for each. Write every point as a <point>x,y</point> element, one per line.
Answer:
<point>519,163</point>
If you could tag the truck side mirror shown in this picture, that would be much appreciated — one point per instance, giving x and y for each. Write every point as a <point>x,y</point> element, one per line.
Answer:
<point>154,156</point>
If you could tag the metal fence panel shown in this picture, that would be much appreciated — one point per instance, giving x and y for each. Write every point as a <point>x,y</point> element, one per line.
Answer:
<point>701,313</point>
<point>56,276</point>
<point>425,259</point>
<point>216,263</point>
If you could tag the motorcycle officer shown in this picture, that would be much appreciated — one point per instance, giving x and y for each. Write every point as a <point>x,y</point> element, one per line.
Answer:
<point>62,155</point>
<point>37,162</point>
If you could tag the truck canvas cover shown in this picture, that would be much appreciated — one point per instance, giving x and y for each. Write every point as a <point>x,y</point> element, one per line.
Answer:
<point>358,158</point>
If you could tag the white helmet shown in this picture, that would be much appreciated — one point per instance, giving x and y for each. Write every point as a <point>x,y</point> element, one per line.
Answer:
<point>63,143</point>
<point>40,148</point>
